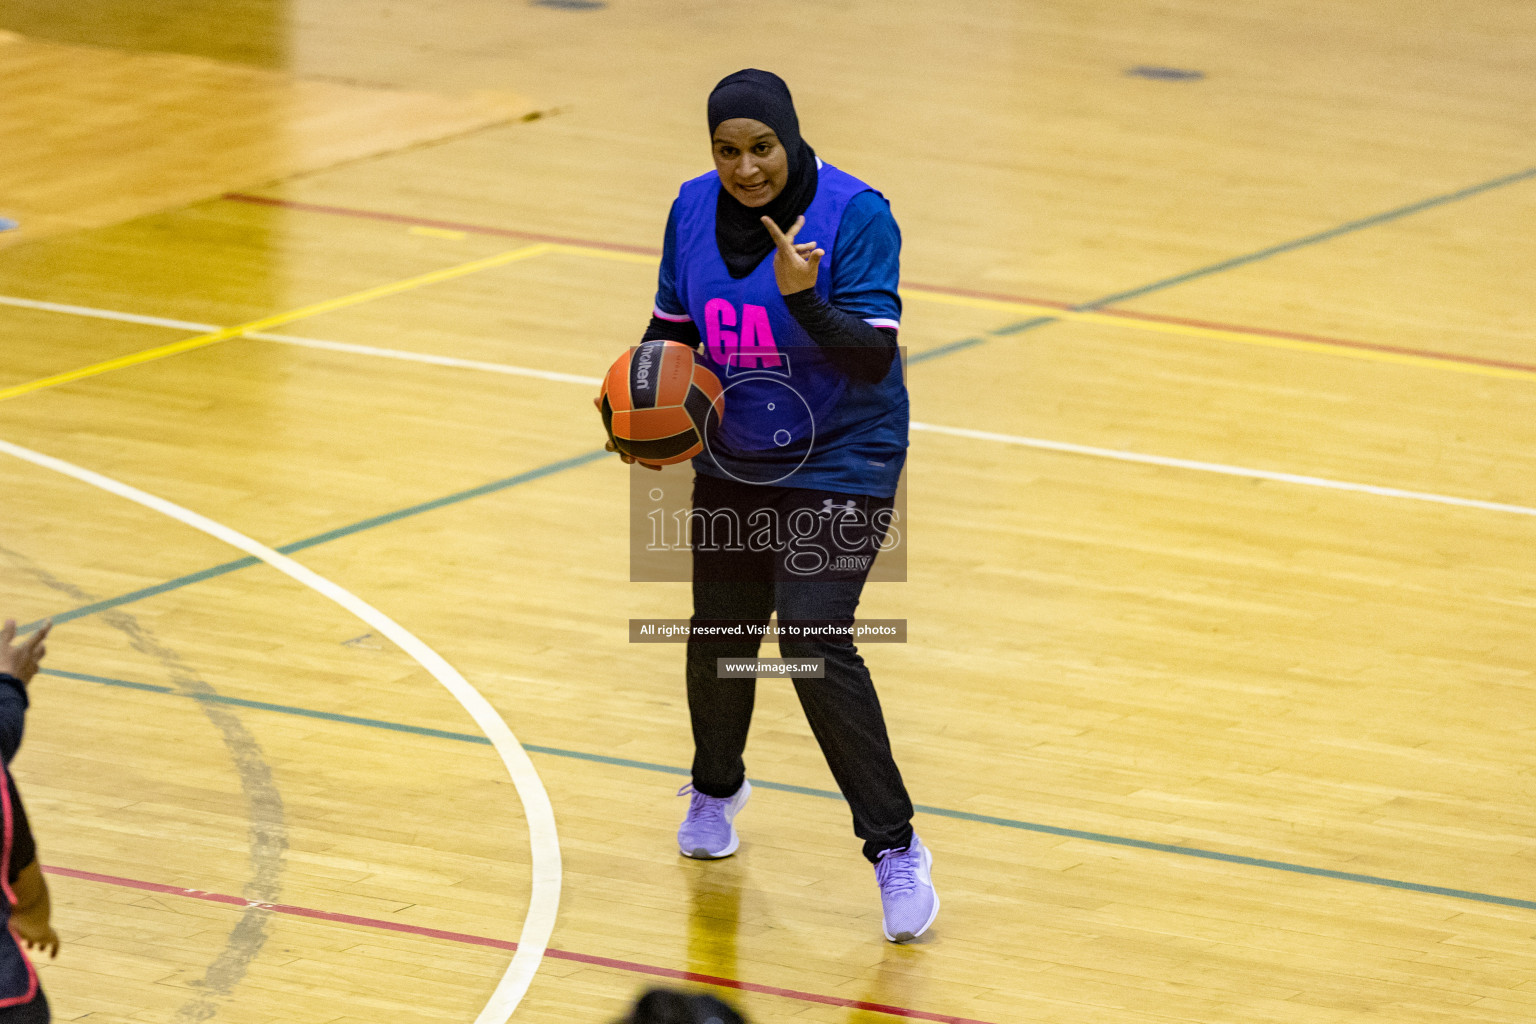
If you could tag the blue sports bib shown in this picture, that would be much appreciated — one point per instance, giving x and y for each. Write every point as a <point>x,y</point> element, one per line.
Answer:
<point>792,419</point>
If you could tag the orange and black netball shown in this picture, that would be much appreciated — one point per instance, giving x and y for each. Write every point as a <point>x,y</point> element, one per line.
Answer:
<point>658,402</point>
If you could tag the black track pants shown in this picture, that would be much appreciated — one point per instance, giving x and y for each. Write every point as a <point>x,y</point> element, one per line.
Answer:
<point>745,586</point>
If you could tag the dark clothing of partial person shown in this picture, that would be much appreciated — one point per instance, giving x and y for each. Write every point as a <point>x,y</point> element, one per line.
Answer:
<point>662,1006</point>
<point>21,997</point>
<point>34,1011</point>
<point>23,847</point>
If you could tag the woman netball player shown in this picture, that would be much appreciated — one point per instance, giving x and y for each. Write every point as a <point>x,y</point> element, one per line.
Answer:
<point>806,459</point>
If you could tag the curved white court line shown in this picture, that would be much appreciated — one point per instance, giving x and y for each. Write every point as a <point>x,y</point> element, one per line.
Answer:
<point>544,903</point>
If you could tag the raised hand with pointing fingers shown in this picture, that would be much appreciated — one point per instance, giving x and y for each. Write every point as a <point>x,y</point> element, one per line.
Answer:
<point>794,264</point>
<point>22,659</point>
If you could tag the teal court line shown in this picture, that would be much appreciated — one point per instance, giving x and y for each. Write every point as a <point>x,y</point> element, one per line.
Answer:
<point>920,356</point>
<point>933,353</point>
<point>1238,261</point>
<point>320,538</point>
<point>564,464</point>
<point>1313,239</point>
<point>942,812</point>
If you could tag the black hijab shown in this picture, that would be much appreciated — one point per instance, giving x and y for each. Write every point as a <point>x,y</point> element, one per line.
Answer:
<point>739,233</point>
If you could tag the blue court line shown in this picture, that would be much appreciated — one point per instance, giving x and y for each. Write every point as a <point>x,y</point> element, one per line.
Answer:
<point>937,352</point>
<point>944,350</point>
<point>1238,261</point>
<point>942,812</point>
<point>139,595</point>
<point>1313,239</point>
<point>932,353</point>
<point>319,538</point>
<point>108,681</point>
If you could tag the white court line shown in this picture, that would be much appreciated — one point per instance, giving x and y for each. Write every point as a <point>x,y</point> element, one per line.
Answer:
<point>107,314</point>
<point>421,357</point>
<point>291,339</point>
<point>974,435</point>
<point>544,901</point>
<point>982,435</point>
<point>1217,467</point>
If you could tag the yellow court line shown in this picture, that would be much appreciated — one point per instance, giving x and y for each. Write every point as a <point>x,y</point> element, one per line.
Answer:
<point>909,291</point>
<point>276,320</point>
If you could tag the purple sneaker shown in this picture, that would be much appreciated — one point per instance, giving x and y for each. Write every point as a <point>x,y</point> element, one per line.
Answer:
<point>906,891</point>
<point>707,832</point>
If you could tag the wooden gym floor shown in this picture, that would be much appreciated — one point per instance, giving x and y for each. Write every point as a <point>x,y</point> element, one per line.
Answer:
<point>1219,695</point>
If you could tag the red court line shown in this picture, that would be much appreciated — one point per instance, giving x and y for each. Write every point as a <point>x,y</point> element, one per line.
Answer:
<point>481,940</point>
<point>1261,332</point>
<point>481,229</point>
<point>449,225</point>
<point>1296,336</point>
